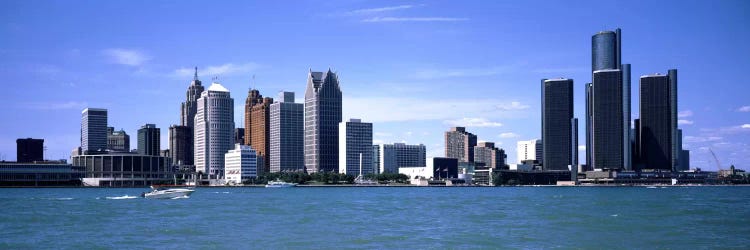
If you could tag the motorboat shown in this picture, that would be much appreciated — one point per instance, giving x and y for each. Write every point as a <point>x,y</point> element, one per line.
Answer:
<point>279,184</point>
<point>168,193</point>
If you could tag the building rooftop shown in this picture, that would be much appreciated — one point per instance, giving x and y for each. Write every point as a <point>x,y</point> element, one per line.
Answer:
<point>217,87</point>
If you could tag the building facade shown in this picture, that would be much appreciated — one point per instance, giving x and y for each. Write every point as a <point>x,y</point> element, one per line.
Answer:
<point>557,112</point>
<point>181,145</point>
<point>124,169</point>
<point>656,131</point>
<point>322,118</point>
<point>214,130</point>
<point>530,150</point>
<point>459,144</point>
<point>117,141</point>
<point>38,174</point>
<point>397,155</point>
<point>93,130</point>
<point>287,135</point>
<point>261,132</point>
<point>149,140</point>
<point>608,150</point>
<point>241,164</point>
<point>239,136</point>
<point>355,147</point>
<point>29,150</point>
<point>253,97</point>
<point>486,153</point>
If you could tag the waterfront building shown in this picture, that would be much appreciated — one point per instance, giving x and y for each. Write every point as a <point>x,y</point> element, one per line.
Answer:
<point>149,140</point>
<point>189,107</point>
<point>241,164</point>
<point>589,113</point>
<point>29,150</point>
<point>486,153</point>
<point>93,130</point>
<point>239,136</point>
<point>656,130</point>
<point>260,134</point>
<point>355,147</point>
<point>391,157</point>
<point>181,145</point>
<point>607,120</point>
<point>460,144</point>
<point>39,173</point>
<point>124,169</point>
<point>557,112</point>
<point>117,140</point>
<point>253,97</point>
<point>376,159</point>
<point>606,50</point>
<point>322,118</point>
<point>436,168</point>
<point>676,138</point>
<point>286,134</point>
<point>530,150</point>
<point>684,160</point>
<point>214,130</point>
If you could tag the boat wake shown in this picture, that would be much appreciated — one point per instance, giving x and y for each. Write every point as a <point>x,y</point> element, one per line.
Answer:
<point>180,197</point>
<point>58,199</point>
<point>124,197</point>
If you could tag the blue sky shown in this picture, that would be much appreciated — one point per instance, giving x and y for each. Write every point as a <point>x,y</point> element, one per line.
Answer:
<point>413,68</point>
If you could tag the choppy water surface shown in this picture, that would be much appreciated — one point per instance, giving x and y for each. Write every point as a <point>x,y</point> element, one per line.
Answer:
<point>325,218</point>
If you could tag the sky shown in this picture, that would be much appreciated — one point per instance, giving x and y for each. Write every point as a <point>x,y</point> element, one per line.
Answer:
<point>412,68</point>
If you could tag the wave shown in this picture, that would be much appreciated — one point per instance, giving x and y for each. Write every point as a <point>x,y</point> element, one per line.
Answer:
<point>58,199</point>
<point>124,197</point>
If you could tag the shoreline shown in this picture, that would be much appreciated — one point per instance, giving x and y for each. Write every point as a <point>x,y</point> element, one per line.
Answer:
<point>396,186</point>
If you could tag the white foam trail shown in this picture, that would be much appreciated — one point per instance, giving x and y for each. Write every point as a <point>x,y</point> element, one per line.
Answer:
<point>181,197</point>
<point>614,215</point>
<point>124,197</point>
<point>58,199</point>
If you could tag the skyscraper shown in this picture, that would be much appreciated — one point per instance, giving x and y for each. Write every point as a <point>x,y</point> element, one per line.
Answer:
<point>253,97</point>
<point>489,155</point>
<point>93,130</point>
<point>287,134</point>
<point>606,50</point>
<point>557,112</point>
<point>189,107</point>
<point>656,131</point>
<point>355,147</point>
<point>149,137</point>
<point>117,141</point>
<point>214,130</point>
<point>322,118</point>
<point>260,133</point>
<point>181,145</point>
<point>589,145</point>
<point>460,144</point>
<point>239,136</point>
<point>676,139</point>
<point>607,120</point>
<point>29,150</point>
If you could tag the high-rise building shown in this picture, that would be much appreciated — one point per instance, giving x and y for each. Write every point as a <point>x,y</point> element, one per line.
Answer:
<point>684,160</point>
<point>460,144</point>
<point>214,130</point>
<point>239,136</point>
<point>557,112</point>
<point>676,139</point>
<point>355,147</point>
<point>530,150</point>
<point>149,137</point>
<point>391,157</point>
<point>606,50</point>
<point>656,131</point>
<point>117,141</point>
<point>181,145</point>
<point>261,131</point>
<point>376,159</point>
<point>322,118</point>
<point>241,164</point>
<point>589,145</point>
<point>486,153</point>
<point>607,120</point>
<point>29,150</point>
<point>287,134</point>
<point>93,130</point>
<point>253,97</point>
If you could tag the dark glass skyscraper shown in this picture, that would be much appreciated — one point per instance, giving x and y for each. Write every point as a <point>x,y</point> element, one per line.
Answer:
<point>607,120</point>
<point>606,50</point>
<point>557,112</point>
<point>656,130</point>
<point>322,118</point>
<point>149,140</point>
<point>181,138</point>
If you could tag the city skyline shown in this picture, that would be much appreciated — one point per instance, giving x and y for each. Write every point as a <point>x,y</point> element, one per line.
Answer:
<point>402,91</point>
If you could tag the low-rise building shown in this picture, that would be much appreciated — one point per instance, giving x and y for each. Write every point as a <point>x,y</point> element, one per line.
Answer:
<point>45,173</point>
<point>124,169</point>
<point>241,164</point>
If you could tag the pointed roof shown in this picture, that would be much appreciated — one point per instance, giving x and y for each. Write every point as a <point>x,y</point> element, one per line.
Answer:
<point>215,86</point>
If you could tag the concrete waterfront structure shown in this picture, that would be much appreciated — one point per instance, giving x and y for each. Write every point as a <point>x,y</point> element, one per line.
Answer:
<point>39,174</point>
<point>214,130</point>
<point>241,164</point>
<point>260,134</point>
<point>557,112</point>
<point>29,150</point>
<point>486,153</point>
<point>117,140</point>
<point>286,134</point>
<point>391,157</point>
<point>460,144</point>
<point>322,117</point>
<point>181,145</point>
<point>530,150</point>
<point>93,130</point>
<point>656,148</point>
<point>124,169</point>
<point>149,140</point>
<point>355,147</point>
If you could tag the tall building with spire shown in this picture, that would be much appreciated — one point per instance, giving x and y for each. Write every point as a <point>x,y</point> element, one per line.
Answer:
<point>189,107</point>
<point>322,118</point>
<point>214,130</point>
<point>181,139</point>
<point>253,97</point>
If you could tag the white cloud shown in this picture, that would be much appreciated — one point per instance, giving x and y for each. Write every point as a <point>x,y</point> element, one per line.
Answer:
<point>745,126</point>
<point>692,139</point>
<point>414,19</point>
<point>581,147</point>
<point>395,109</point>
<point>381,9</point>
<point>508,135</point>
<point>685,113</point>
<point>685,122</point>
<point>126,56</point>
<point>744,109</point>
<point>513,106</point>
<point>56,105</point>
<point>214,70</point>
<point>473,122</point>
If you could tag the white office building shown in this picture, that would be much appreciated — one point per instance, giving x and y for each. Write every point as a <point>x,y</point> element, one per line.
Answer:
<point>530,150</point>
<point>241,164</point>
<point>397,155</point>
<point>214,130</point>
<point>286,134</point>
<point>355,147</point>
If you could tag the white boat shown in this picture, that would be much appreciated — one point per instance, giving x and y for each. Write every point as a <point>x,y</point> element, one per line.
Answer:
<point>168,193</point>
<point>674,181</point>
<point>279,184</point>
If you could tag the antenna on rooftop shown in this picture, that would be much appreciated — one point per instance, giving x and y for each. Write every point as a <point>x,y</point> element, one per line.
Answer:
<point>253,85</point>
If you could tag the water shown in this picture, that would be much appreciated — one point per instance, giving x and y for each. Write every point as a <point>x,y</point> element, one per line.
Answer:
<point>326,218</point>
